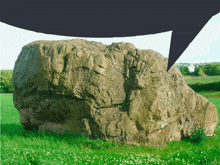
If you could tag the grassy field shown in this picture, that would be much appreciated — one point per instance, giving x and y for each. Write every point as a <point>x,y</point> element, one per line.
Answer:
<point>22,147</point>
<point>204,80</point>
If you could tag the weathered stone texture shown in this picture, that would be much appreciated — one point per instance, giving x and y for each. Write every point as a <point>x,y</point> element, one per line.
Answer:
<point>116,92</point>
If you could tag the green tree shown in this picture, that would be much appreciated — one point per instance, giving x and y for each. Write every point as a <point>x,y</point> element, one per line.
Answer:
<point>196,71</point>
<point>185,70</point>
<point>201,72</point>
<point>209,70</point>
<point>204,68</point>
<point>6,85</point>
<point>215,69</point>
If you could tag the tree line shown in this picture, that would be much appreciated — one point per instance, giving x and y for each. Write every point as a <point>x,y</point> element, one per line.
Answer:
<point>202,70</point>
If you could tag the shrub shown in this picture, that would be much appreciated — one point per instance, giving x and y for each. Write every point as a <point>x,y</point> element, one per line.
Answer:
<point>6,85</point>
<point>197,136</point>
<point>185,70</point>
<point>201,72</point>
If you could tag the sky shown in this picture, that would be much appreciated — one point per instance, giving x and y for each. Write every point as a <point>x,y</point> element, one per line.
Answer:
<point>204,48</point>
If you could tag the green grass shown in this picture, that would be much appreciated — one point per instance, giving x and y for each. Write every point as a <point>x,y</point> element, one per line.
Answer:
<point>210,94</point>
<point>203,84</point>
<point>204,80</point>
<point>23,147</point>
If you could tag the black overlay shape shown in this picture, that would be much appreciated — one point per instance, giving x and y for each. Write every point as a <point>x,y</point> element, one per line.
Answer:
<point>113,18</point>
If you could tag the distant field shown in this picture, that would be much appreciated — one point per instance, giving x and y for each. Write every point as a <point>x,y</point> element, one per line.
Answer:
<point>208,86</point>
<point>204,80</point>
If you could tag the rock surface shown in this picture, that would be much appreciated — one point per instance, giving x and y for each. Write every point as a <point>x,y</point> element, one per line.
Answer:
<point>116,93</point>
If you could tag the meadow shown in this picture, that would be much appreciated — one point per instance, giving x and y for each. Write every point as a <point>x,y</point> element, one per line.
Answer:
<point>204,80</point>
<point>24,147</point>
<point>207,86</point>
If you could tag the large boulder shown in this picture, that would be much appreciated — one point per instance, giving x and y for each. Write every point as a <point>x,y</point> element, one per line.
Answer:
<point>116,93</point>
